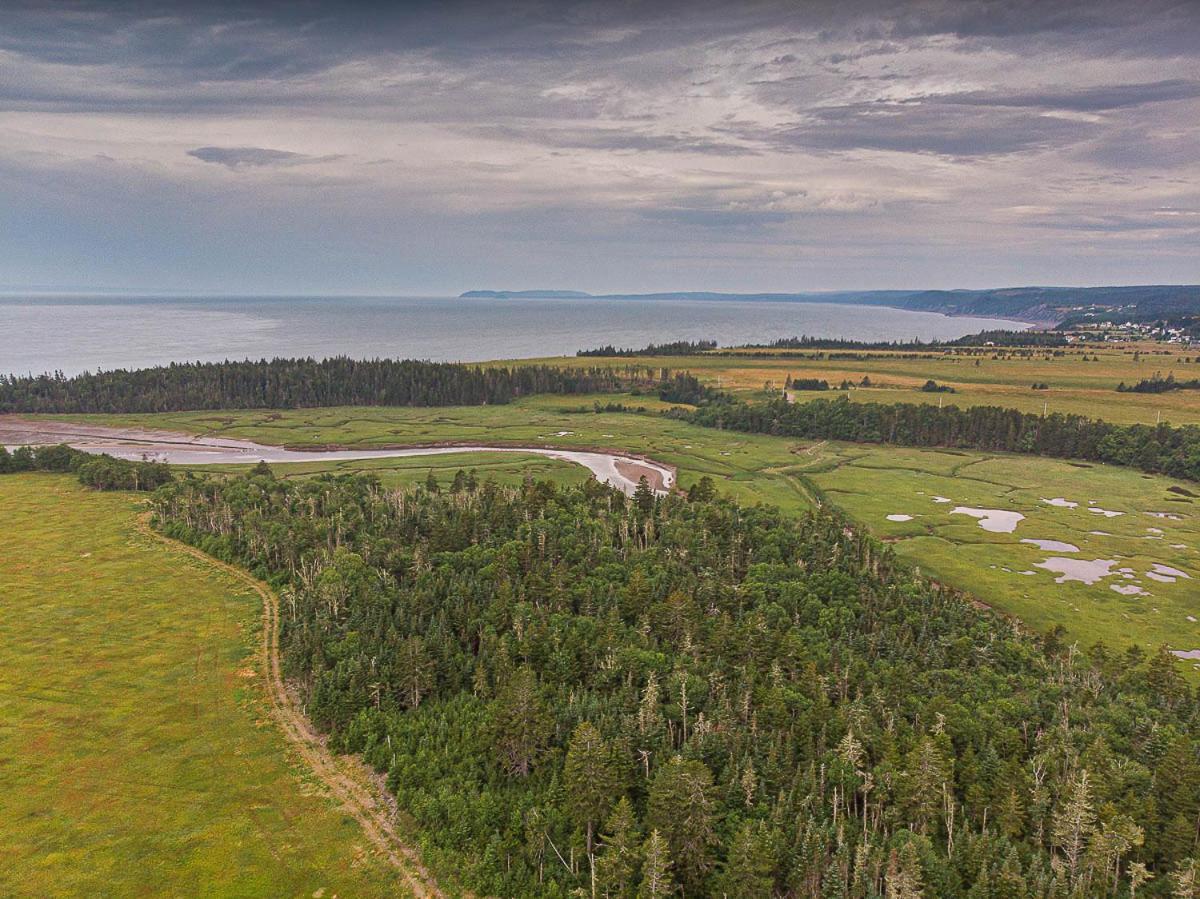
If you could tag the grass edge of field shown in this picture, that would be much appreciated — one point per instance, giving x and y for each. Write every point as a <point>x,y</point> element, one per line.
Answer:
<point>346,780</point>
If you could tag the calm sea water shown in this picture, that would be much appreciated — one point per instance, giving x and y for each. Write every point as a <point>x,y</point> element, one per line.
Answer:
<point>75,334</point>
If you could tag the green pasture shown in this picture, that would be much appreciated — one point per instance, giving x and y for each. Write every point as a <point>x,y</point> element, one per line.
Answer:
<point>510,469</point>
<point>135,748</point>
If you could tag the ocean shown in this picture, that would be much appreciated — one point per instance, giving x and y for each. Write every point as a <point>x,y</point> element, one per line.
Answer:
<point>73,334</point>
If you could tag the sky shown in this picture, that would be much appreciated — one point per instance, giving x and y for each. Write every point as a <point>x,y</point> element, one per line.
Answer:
<point>429,148</point>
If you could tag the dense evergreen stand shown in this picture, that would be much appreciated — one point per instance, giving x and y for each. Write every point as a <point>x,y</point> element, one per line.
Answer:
<point>297,383</point>
<point>571,690</point>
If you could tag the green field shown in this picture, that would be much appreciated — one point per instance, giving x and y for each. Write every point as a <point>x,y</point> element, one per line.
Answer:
<point>136,751</point>
<point>868,482</point>
<point>1076,384</point>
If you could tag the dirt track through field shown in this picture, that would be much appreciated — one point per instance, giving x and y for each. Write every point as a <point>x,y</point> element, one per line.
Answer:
<point>346,778</point>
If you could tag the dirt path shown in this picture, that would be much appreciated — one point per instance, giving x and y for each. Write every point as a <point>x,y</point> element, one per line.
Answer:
<point>346,778</point>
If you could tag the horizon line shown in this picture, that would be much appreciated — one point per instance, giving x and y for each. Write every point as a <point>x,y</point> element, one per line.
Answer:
<point>11,292</point>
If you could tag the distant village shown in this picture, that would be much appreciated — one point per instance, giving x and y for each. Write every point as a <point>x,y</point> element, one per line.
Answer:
<point>1183,329</point>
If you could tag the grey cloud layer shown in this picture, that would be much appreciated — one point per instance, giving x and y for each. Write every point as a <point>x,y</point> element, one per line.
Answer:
<point>780,142</point>
<point>254,157</point>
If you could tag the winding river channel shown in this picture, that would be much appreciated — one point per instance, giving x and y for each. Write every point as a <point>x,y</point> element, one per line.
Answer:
<point>622,470</point>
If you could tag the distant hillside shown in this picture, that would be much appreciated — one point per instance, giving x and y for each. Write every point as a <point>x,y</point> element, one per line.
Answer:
<point>1058,304</point>
<point>1040,305</point>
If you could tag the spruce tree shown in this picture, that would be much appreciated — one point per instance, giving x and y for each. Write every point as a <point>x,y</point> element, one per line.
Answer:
<point>750,868</point>
<point>592,777</point>
<point>904,877</point>
<point>619,855</point>
<point>643,497</point>
<point>682,808</point>
<point>657,878</point>
<point>520,723</point>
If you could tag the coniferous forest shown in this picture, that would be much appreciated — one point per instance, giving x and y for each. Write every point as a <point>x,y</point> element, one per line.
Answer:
<point>297,383</point>
<point>573,692</point>
<point>1024,339</point>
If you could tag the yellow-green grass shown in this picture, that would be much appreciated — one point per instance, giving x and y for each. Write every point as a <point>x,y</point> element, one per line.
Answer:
<point>871,483</point>
<point>987,377</point>
<point>137,754</point>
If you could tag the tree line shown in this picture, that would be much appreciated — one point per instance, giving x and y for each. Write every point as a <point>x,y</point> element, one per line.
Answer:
<point>673,348</point>
<point>999,338</point>
<point>573,692</point>
<point>296,383</point>
<point>1158,449</point>
<point>995,338</point>
<point>100,471</point>
<point>791,383</point>
<point>1156,383</point>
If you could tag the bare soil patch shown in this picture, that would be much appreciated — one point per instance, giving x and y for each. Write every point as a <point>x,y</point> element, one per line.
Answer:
<point>635,471</point>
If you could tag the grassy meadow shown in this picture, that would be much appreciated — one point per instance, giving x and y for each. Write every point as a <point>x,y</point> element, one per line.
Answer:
<point>511,469</point>
<point>137,755</point>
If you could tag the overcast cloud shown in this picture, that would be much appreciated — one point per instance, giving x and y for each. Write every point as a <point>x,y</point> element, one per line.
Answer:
<point>331,147</point>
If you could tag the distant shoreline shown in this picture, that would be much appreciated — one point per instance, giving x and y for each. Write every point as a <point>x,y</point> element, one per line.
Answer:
<point>841,299</point>
<point>1033,306</point>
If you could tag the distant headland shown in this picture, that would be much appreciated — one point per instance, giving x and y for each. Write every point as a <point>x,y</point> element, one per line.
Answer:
<point>1035,305</point>
<point>524,294</point>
